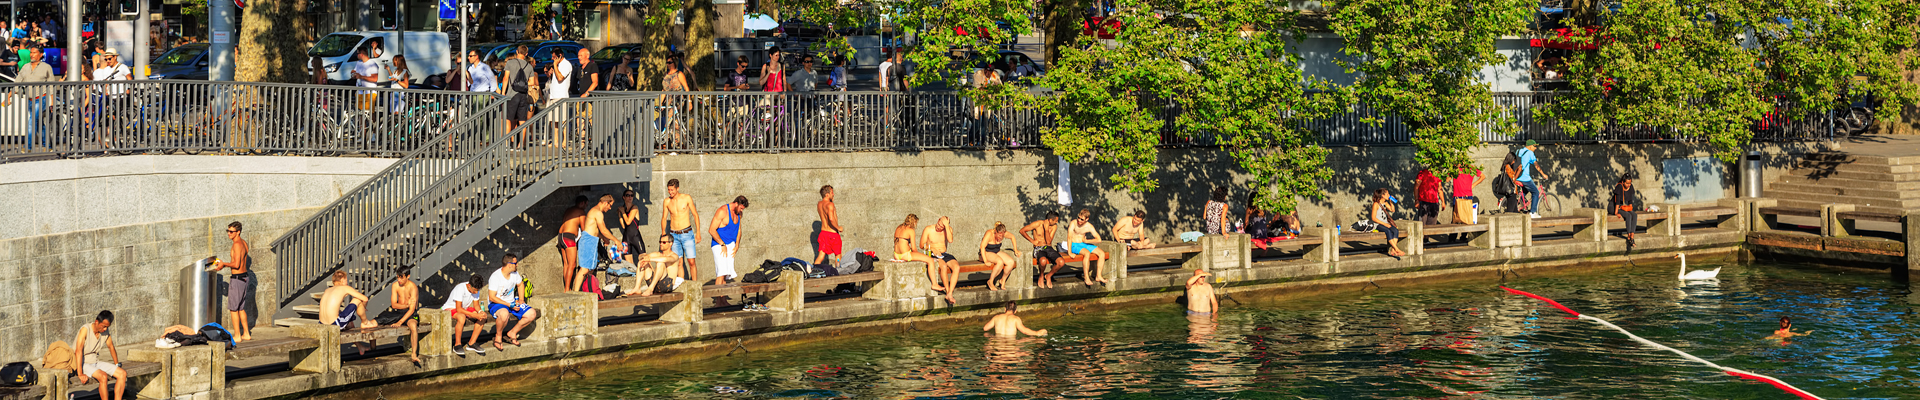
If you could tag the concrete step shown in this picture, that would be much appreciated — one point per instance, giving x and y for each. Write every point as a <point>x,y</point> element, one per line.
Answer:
<point>1863,158</point>
<point>1856,166</point>
<point>1867,176</point>
<point>308,311</point>
<point>1815,205</point>
<point>1838,199</point>
<point>1844,190</point>
<point>293,322</point>
<point>1851,183</point>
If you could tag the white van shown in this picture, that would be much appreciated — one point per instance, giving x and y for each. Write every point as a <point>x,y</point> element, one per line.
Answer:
<point>426,53</point>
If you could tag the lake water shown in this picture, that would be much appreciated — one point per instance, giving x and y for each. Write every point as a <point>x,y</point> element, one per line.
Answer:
<point>1454,341</point>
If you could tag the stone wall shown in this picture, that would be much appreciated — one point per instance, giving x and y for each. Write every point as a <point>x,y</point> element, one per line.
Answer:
<point>61,196</point>
<point>50,285</point>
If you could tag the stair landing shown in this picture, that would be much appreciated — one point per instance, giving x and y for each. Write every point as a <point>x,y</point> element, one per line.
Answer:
<point>1876,173</point>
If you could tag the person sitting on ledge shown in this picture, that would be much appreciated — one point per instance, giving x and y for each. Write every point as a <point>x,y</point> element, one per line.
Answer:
<point>92,340</point>
<point>1045,256</point>
<point>503,292</point>
<point>404,310</point>
<point>993,251</point>
<point>1131,230</point>
<point>934,241</point>
<point>333,312</point>
<point>657,266</point>
<point>1625,203</point>
<point>903,250</point>
<point>464,305</point>
<point>1381,213</point>
<point>1081,240</point>
<point>1007,324</point>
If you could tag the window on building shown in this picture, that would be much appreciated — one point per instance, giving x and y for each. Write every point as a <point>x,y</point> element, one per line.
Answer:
<point>596,24</point>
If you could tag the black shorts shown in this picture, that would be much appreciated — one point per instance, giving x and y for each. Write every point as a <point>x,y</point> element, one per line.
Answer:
<point>945,257</point>
<point>1048,253</point>
<point>392,316</point>
<point>518,106</point>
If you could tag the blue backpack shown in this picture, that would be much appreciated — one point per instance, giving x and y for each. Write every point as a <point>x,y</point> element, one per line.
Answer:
<point>216,333</point>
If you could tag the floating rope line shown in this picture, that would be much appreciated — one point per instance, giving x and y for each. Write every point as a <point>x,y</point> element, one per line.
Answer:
<point>1730,371</point>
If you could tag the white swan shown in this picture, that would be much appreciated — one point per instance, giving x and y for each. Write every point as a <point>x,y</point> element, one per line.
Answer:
<point>1696,275</point>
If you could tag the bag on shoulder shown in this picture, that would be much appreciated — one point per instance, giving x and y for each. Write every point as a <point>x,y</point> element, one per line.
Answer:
<point>1503,187</point>
<point>18,374</point>
<point>517,80</point>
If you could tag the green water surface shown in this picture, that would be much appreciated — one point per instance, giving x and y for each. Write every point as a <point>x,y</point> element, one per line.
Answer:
<point>1454,341</point>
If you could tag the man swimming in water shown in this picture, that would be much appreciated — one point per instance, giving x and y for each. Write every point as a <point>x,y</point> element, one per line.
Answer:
<point>1200,298</point>
<point>1786,331</point>
<point>1007,324</point>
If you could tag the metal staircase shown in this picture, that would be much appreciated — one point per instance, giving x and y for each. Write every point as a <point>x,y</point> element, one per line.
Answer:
<point>441,200</point>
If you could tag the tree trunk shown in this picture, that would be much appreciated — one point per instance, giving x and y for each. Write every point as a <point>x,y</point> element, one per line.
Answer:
<point>266,53</point>
<point>699,47</point>
<point>1062,25</point>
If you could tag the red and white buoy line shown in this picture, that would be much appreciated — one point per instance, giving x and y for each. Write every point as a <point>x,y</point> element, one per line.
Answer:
<point>1730,371</point>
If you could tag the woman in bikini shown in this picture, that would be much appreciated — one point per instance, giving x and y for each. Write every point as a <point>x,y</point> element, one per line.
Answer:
<point>903,251</point>
<point>992,253</point>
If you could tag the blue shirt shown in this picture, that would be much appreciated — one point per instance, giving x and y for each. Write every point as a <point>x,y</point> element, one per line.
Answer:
<point>1526,164</point>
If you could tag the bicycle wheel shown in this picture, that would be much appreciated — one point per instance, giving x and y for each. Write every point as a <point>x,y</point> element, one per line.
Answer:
<point>354,130</point>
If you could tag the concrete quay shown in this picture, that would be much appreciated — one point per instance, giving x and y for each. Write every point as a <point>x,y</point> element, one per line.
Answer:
<point>575,334</point>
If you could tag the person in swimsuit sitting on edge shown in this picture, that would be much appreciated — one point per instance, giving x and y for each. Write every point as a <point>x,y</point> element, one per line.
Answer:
<point>934,241</point>
<point>1007,324</point>
<point>992,253</point>
<point>1786,331</point>
<point>1045,256</point>
<point>1131,229</point>
<point>1200,298</point>
<point>903,251</point>
<point>332,312</point>
<point>570,223</point>
<point>656,266</point>
<point>1081,237</point>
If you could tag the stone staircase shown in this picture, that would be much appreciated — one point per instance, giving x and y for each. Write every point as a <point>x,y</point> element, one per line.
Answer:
<point>1875,183</point>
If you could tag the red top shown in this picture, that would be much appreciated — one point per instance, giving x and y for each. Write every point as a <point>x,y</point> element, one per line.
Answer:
<point>1428,188</point>
<point>1463,184</point>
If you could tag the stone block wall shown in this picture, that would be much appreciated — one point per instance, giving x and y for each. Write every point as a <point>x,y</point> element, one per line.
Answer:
<point>61,196</point>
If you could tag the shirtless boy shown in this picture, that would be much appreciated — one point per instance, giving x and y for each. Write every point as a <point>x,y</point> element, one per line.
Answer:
<point>239,282</point>
<point>332,311</point>
<point>1081,237</point>
<point>405,310</point>
<point>1007,324</point>
<point>570,224</point>
<point>829,237</point>
<point>1200,299</point>
<point>903,250</point>
<point>1040,234</point>
<point>934,241</point>
<point>679,213</point>
<point>593,233</point>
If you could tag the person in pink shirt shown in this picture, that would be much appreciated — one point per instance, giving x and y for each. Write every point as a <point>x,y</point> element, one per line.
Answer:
<point>1463,184</point>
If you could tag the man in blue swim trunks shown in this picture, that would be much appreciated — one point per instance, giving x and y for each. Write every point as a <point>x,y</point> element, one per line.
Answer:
<point>679,214</point>
<point>503,292</point>
<point>593,232</point>
<point>1081,239</point>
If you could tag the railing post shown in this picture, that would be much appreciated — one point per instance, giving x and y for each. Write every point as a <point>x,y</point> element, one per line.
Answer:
<point>1593,232</point>
<point>1831,225</point>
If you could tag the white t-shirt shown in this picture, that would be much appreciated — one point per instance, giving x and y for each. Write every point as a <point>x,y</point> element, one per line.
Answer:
<point>368,68</point>
<point>884,66</point>
<point>482,78</point>
<point>504,286</point>
<point>461,297</point>
<point>562,80</point>
<point>115,72</point>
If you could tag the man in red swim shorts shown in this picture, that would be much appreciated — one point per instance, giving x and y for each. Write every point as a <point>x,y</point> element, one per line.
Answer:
<point>829,237</point>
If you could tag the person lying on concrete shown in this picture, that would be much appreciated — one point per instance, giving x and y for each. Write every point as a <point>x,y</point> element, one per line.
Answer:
<point>1131,229</point>
<point>934,240</point>
<point>239,282</point>
<point>570,223</point>
<point>404,310</point>
<point>657,266</point>
<point>463,305</point>
<point>1081,240</point>
<point>725,231</point>
<point>88,344</point>
<point>506,303</point>
<point>1007,324</point>
<point>998,254</point>
<point>829,236</point>
<point>333,312</point>
<point>1200,298</point>
<point>905,251</point>
<point>1626,203</point>
<point>1045,256</point>
<point>593,233</point>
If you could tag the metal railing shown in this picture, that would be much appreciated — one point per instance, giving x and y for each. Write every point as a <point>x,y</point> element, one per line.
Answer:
<point>412,209</point>
<point>38,120</point>
<point>759,121</point>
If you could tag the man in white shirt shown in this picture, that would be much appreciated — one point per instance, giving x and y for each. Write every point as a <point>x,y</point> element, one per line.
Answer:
<point>366,74</point>
<point>112,70</point>
<point>560,81</point>
<point>885,67</point>
<point>479,75</point>
<point>463,304</point>
<point>505,303</point>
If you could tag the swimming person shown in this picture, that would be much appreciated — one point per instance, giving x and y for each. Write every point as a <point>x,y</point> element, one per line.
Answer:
<point>1786,331</point>
<point>1007,324</point>
<point>1200,298</point>
<point>903,251</point>
<point>993,251</point>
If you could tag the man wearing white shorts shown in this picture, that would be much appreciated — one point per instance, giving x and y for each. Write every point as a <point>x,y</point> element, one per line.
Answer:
<point>725,231</point>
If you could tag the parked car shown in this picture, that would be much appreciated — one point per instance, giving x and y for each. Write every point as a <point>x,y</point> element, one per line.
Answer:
<point>426,53</point>
<point>487,50</point>
<point>184,62</point>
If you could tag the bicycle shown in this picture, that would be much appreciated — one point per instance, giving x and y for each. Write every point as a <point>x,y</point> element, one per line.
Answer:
<point>339,129</point>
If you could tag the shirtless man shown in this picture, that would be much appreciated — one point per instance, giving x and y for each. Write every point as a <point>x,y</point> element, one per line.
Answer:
<point>570,224</point>
<point>593,233</point>
<point>829,237</point>
<point>1131,230</point>
<point>1040,234</point>
<point>1081,238</point>
<point>679,213</point>
<point>934,241</point>
<point>657,266</point>
<point>903,250</point>
<point>1007,324</point>
<point>1200,299</point>
<point>332,312</point>
<point>239,282</point>
<point>404,310</point>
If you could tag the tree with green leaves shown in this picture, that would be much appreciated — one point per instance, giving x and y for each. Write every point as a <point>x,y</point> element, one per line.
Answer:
<point>1419,60</point>
<point>1219,71</point>
<point>940,32</point>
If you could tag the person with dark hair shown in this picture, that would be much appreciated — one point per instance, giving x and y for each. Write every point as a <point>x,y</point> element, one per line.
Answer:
<point>623,77</point>
<point>506,302</point>
<point>1045,256</point>
<point>592,234</point>
<point>571,221</point>
<point>519,83</point>
<point>1530,175</point>
<point>773,76</point>
<point>1507,186</point>
<point>934,241</point>
<point>725,231</point>
<point>1786,331</point>
<point>91,341</point>
<point>239,282</point>
<point>657,266</point>
<point>679,213</point>
<point>829,236</point>
<point>1131,230</point>
<point>736,79</point>
<point>1625,203</point>
<point>405,310</point>
<point>1007,324</point>
<point>400,77</point>
<point>629,218</point>
<point>366,74</point>
<point>1216,212</point>
<point>674,80</point>
<point>463,303</point>
<point>341,304</point>
<point>1381,213</point>
<point>1426,197</point>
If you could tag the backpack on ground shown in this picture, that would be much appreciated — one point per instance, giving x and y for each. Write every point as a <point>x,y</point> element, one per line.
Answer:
<point>18,374</point>
<point>768,272</point>
<point>216,333</point>
<point>866,260</point>
<point>187,340</point>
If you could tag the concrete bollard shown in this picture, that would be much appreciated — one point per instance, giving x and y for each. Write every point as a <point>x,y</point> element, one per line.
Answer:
<point>1021,277</point>
<point>1416,241</point>
<point>1741,218</point>
<point>794,297</point>
<point>321,359</point>
<point>1115,270</point>
<point>689,308</point>
<point>439,341</point>
<point>1594,232</point>
<point>1512,230</point>
<point>1761,222</point>
<point>184,371</point>
<point>1831,225</point>
<point>1910,231</point>
<point>1669,225</point>
<point>1328,251</point>
<point>565,314</point>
